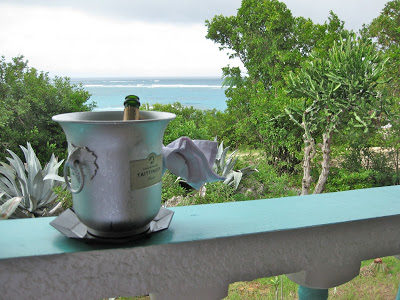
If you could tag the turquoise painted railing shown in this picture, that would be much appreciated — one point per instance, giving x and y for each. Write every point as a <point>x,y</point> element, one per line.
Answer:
<point>319,240</point>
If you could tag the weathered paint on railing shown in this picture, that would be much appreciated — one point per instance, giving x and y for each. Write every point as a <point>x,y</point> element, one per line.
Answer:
<point>320,239</point>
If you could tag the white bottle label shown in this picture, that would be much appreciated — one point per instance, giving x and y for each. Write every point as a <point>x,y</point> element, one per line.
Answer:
<point>146,172</point>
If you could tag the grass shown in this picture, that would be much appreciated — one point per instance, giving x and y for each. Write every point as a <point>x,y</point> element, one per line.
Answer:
<point>375,282</point>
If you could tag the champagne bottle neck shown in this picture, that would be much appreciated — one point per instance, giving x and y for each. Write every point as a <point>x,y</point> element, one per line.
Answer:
<point>131,111</point>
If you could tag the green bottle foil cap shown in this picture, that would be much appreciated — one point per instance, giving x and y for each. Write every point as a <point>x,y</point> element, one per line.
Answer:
<point>132,100</point>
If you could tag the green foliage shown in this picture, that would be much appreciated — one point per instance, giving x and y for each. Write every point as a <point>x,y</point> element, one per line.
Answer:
<point>31,182</point>
<point>64,196</point>
<point>339,89</point>
<point>171,187</point>
<point>267,182</point>
<point>343,180</point>
<point>386,26</point>
<point>252,120</point>
<point>217,192</point>
<point>270,42</point>
<point>383,171</point>
<point>360,167</point>
<point>386,29</point>
<point>261,36</point>
<point>194,123</point>
<point>28,100</point>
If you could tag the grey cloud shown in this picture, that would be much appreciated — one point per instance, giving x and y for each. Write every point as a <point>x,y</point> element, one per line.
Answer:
<point>353,12</point>
<point>175,11</point>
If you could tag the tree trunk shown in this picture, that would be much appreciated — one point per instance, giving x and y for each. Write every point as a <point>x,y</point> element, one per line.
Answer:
<point>309,153</point>
<point>326,162</point>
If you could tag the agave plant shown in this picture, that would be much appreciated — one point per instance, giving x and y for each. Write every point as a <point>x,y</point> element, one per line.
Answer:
<point>224,166</point>
<point>29,183</point>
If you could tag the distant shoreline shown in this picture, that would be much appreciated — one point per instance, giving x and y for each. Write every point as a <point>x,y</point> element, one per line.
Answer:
<point>199,92</point>
<point>145,78</point>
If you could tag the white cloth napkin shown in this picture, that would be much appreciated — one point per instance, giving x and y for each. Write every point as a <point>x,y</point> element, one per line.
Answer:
<point>191,160</point>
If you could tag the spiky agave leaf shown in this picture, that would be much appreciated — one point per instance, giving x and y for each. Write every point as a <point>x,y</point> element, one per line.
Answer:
<point>7,181</point>
<point>21,179</point>
<point>220,150</point>
<point>222,159</point>
<point>228,178</point>
<point>51,179</point>
<point>17,164</point>
<point>9,207</point>
<point>237,177</point>
<point>33,165</point>
<point>229,165</point>
<point>248,170</point>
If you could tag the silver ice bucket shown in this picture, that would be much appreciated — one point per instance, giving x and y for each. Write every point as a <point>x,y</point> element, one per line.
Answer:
<point>115,168</point>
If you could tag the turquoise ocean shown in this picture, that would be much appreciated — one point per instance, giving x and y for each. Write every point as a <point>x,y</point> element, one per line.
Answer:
<point>202,93</point>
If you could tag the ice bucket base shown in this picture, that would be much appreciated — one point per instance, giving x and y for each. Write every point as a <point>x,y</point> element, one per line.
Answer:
<point>118,235</point>
<point>70,226</point>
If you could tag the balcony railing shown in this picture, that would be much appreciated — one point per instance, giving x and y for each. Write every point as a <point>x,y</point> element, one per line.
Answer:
<point>319,240</point>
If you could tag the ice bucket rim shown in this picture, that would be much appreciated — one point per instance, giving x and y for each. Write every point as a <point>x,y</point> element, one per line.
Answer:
<point>78,117</point>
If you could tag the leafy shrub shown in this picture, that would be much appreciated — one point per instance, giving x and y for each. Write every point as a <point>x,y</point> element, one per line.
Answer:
<point>353,160</point>
<point>194,123</point>
<point>64,196</point>
<point>217,192</point>
<point>384,173</point>
<point>255,118</point>
<point>28,100</point>
<point>171,187</point>
<point>380,164</point>
<point>180,127</point>
<point>267,182</point>
<point>344,180</point>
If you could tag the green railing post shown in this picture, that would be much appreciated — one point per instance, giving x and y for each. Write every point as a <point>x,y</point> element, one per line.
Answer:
<point>306,293</point>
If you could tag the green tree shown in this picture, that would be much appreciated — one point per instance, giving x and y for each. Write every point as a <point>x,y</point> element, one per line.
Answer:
<point>270,42</point>
<point>337,91</point>
<point>260,36</point>
<point>28,100</point>
<point>386,29</point>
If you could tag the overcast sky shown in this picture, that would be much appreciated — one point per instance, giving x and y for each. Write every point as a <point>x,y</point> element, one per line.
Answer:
<point>133,38</point>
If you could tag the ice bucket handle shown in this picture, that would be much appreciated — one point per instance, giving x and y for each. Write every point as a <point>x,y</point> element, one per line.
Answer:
<point>74,163</point>
<point>83,162</point>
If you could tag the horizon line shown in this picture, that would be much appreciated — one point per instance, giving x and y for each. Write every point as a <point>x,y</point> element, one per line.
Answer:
<point>146,76</point>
